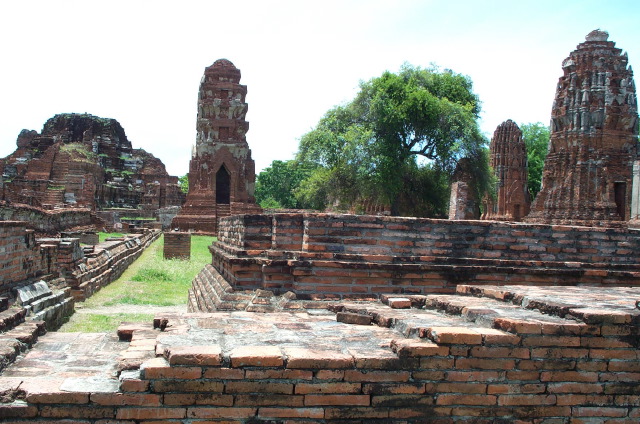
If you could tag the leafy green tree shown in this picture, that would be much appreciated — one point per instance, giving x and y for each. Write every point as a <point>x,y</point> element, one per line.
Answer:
<point>399,123</point>
<point>184,183</point>
<point>536,139</point>
<point>275,186</point>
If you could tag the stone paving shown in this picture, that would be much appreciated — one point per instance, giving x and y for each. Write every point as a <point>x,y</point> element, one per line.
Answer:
<point>69,362</point>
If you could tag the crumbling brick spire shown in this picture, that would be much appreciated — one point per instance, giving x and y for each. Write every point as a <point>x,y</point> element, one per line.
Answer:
<point>594,135</point>
<point>509,162</point>
<point>221,171</point>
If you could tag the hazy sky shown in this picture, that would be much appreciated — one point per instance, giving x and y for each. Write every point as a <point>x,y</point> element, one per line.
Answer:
<point>140,62</point>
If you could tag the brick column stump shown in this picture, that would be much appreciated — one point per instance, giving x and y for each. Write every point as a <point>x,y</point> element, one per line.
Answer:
<point>177,245</point>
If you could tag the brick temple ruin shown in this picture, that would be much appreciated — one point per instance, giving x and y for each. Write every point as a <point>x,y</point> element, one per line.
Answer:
<point>509,162</point>
<point>367,319</point>
<point>82,161</point>
<point>221,171</point>
<point>587,178</point>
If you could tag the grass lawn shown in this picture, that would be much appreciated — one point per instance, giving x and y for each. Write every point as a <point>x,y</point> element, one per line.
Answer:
<point>150,280</point>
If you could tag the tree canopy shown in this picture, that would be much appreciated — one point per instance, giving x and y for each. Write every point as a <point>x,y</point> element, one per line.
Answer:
<point>536,139</point>
<point>402,131</point>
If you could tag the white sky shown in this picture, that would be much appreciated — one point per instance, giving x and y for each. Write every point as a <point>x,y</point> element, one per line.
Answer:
<point>140,61</point>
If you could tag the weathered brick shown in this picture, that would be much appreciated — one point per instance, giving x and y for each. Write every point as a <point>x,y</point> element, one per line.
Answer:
<point>195,355</point>
<point>314,413</point>
<point>258,387</point>
<point>526,400</point>
<point>465,399</point>
<point>326,387</point>
<point>335,399</point>
<point>256,356</point>
<point>150,413</point>
<point>224,413</point>
<point>314,359</point>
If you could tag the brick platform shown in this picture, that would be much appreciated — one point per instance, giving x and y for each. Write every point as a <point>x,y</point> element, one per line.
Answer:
<point>507,354</point>
<point>355,256</point>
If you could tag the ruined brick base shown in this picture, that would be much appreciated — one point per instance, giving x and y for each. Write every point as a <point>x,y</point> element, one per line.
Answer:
<point>489,354</point>
<point>356,256</point>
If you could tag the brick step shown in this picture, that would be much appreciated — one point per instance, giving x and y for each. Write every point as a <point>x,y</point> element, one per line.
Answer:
<point>449,319</point>
<point>19,339</point>
<point>11,317</point>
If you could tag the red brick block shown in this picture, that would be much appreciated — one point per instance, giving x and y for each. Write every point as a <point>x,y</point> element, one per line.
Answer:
<point>221,413</point>
<point>376,376</point>
<point>326,387</point>
<point>179,399</point>
<point>17,410</point>
<point>258,387</point>
<point>195,355</point>
<point>168,386</point>
<point>256,356</point>
<point>337,400</point>
<point>436,388</point>
<point>414,348</point>
<point>224,373</point>
<point>571,376</point>
<point>278,374</point>
<point>526,400</point>
<point>129,399</point>
<point>150,413</point>
<point>269,400</point>
<point>393,388</point>
<point>314,359</point>
<point>465,399</point>
<point>356,413</point>
<point>485,364</point>
<point>454,335</point>
<point>312,413</point>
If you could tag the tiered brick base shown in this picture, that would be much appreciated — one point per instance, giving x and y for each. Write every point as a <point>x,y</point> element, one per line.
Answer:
<point>354,256</point>
<point>513,355</point>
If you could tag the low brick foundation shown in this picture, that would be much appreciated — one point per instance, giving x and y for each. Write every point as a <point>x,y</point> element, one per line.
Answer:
<point>358,256</point>
<point>504,355</point>
<point>48,221</point>
<point>177,245</point>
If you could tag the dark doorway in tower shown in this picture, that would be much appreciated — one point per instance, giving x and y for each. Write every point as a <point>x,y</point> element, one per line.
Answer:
<point>620,193</point>
<point>223,186</point>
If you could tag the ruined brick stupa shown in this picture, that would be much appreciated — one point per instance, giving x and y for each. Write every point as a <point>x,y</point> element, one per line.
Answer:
<point>82,160</point>
<point>509,161</point>
<point>221,171</point>
<point>594,134</point>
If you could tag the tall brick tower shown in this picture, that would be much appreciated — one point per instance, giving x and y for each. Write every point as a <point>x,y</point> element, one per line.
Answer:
<point>587,176</point>
<point>221,171</point>
<point>509,161</point>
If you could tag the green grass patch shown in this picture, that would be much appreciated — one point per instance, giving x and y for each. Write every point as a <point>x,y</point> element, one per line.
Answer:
<point>103,236</point>
<point>150,280</point>
<point>96,323</point>
<point>153,280</point>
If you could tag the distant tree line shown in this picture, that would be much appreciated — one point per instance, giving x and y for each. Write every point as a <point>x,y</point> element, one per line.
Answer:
<point>398,143</point>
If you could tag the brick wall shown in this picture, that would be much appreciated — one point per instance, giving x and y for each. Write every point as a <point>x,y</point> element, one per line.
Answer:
<point>349,255</point>
<point>20,256</point>
<point>177,245</point>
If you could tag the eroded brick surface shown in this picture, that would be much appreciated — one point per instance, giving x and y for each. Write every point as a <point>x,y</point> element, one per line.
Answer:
<point>489,352</point>
<point>587,175</point>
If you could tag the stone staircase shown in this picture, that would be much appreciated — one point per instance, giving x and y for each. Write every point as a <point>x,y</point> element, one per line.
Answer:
<point>37,309</point>
<point>17,334</point>
<point>506,315</point>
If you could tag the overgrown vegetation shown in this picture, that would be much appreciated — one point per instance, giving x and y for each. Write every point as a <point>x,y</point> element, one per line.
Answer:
<point>397,143</point>
<point>536,139</point>
<point>151,280</point>
<point>93,323</point>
